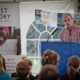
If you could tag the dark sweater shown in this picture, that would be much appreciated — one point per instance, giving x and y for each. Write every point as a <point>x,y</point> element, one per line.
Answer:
<point>66,77</point>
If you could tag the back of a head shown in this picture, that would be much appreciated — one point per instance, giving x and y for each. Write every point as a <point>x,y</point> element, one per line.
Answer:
<point>2,69</point>
<point>73,66</point>
<point>49,72</point>
<point>22,69</point>
<point>74,61</point>
<point>24,58</point>
<point>50,57</point>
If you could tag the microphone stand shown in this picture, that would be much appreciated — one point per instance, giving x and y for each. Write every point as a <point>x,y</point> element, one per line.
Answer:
<point>55,29</point>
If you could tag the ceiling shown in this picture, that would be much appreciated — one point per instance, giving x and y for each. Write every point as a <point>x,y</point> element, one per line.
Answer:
<point>13,1</point>
<point>31,0</point>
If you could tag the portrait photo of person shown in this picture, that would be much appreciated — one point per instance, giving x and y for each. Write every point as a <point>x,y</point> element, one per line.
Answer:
<point>10,40</point>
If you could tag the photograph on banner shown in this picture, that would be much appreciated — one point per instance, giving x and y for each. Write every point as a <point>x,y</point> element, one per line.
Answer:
<point>38,16</point>
<point>45,17</point>
<point>10,40</point>
<point>60,20</point>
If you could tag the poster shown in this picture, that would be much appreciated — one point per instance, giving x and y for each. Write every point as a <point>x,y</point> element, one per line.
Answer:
<point>10,38</point>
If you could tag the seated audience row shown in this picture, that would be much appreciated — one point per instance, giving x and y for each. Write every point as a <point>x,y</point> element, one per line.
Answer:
<point>49,70</point>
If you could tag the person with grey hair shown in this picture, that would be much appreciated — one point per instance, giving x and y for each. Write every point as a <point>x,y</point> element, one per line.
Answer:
<point>71,32</point>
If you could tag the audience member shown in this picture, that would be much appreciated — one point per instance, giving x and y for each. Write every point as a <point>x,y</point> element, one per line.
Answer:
<point>14,75</point>
<point>50,57</point>
<point>49,72</point>
<point>30,76</point>
<point>73,68</point>
<point>22,69</point>
<point>1,57</point>
<point>3,74</point>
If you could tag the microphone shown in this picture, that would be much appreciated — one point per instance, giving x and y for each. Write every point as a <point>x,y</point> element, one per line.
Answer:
<point>55,29</point>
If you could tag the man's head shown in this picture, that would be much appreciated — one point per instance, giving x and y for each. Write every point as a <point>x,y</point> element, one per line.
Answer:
<point>68,20</point>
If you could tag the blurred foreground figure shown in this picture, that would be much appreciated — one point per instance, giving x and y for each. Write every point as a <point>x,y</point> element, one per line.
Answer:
<point>49,72</point>
<point>73,68</point>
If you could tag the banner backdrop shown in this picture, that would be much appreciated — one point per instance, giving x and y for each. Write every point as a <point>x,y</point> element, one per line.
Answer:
<point>9,14</point>
<point>10,42</point>
<point>27,17</point>
<point>32,33</point>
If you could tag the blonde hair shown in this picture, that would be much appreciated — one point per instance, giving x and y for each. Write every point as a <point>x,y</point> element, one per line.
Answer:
<point>24,58</point>
<point>2,70</point>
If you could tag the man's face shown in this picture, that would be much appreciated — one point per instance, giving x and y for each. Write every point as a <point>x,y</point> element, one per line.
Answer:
<point>68,21</point>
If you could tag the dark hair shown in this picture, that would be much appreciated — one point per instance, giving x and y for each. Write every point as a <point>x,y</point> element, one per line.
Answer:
<point>71,73</point>
<point>50,57</point>
<point>49,72</point>
<point>73,65</point>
